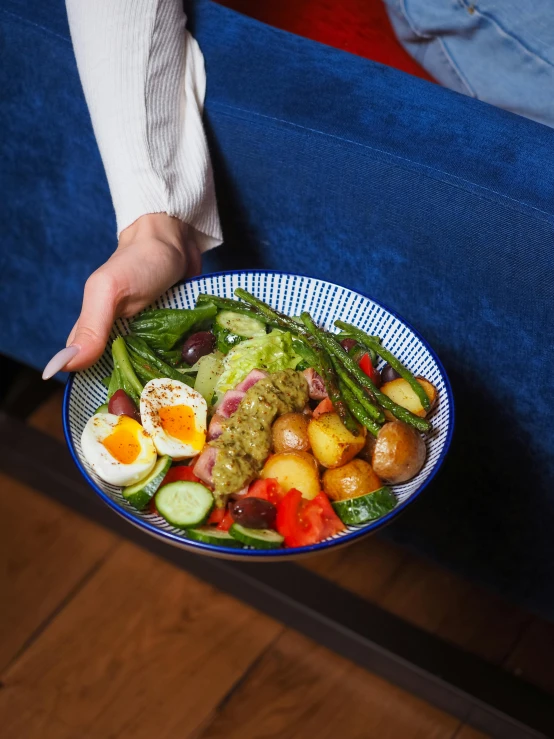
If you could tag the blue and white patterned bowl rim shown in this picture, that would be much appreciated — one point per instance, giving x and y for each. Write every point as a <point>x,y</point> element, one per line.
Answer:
<point>274,287</point>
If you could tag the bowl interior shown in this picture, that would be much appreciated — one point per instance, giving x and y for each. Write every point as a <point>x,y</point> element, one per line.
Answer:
<point>290,294</point>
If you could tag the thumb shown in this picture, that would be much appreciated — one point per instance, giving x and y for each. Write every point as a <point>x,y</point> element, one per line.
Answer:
<point>90,334</point>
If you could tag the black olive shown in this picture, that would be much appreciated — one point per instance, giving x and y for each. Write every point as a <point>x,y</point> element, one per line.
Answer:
<point>253,513</point>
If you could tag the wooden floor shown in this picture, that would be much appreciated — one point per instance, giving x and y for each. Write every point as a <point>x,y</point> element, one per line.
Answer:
<point>99,639</point>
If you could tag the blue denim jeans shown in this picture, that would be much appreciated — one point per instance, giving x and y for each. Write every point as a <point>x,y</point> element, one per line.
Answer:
<point>498,51</point>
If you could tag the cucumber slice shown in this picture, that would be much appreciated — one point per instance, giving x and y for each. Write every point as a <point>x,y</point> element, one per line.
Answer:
<point>209,370</point>
<point>140,494</point>
<point>257,538</point>
<point>364,508</point>
<point>209,535</point>
<point>240,325</point>
<point>184,504</point>
<point>102,409</point>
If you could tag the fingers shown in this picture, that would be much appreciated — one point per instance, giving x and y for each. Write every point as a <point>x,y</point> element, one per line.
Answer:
<point>88,337</point>
<point>95,322</point>
<point>71,334</point>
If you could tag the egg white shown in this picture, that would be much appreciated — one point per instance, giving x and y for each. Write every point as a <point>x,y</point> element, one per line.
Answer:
<point>109,469</point>
<point>163,393</point>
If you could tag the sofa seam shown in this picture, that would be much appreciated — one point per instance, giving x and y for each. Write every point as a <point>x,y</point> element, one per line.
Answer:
<point>460,181</point>
<point>28,22</point>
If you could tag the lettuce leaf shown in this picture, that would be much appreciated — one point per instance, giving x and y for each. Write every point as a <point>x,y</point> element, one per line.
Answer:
<point>272,352</point>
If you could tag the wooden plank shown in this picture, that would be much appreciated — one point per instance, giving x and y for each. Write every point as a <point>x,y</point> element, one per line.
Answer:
<point>299,689</point>
<point>533,657</point>
<point>466,732</point>
<point>144,650</point>
<point>48,416</point>
<point>45,552</point>
<point>365,568</point>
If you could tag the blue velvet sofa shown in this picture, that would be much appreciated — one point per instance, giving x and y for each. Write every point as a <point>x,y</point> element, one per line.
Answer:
<point>330,165</point>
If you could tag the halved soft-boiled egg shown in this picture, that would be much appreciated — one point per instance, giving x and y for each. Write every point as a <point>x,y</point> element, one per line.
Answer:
<point>175,417</point>
<point>118,449</point>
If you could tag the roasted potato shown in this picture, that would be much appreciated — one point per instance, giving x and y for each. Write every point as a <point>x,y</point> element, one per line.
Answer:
<point>290,433</point>
<point>332,443</point>
<point>399,452</point>
<point>350,481</point>
<point>294,470</point>
<point>402,393</point>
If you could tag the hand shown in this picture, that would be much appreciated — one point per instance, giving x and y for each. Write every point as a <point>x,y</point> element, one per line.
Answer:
<point>152,255</point>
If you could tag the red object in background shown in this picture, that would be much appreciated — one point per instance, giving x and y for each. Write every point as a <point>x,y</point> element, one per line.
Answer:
<point>361,27</point>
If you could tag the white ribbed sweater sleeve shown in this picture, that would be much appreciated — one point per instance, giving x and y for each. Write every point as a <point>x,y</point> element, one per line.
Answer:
<point>144,82</point>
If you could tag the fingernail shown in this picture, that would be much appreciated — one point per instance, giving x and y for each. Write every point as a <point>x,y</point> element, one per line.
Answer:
<point>59,361</point>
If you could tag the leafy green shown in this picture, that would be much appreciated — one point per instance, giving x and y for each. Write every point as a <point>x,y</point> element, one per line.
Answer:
<point>162,329</point>
<point>272,352</point>
<point>225,340</point>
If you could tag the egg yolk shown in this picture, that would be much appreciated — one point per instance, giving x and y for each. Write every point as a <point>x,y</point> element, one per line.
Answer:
<point>123,443</point>
<point>179,421</point>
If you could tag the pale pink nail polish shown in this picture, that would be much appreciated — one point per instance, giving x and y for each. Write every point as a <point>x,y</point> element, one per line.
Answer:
<point>59,361</point>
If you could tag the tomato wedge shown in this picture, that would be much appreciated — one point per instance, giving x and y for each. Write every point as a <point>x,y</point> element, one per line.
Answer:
<point>181,472</point>
<point>366,366</point>
<point>220,518</point>
<point>305,522</point>
<point>324,407</point>
<point>268,489</point>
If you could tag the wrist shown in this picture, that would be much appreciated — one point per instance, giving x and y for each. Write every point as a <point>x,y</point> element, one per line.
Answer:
<point>157,226</point>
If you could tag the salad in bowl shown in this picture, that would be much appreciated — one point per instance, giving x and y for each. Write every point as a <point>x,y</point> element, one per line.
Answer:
<point>238,426</point>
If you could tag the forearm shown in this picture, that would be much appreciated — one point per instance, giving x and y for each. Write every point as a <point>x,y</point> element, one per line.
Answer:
<point>144,81</point>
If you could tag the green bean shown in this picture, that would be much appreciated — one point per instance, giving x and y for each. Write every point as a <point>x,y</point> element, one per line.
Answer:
<point>360,394</point>
<point>357,410</point>
<point>144,372</point>
<point>272,316</point>
<point>141,348</point>
<point>336,350</point>
<point>330,379</point>
<point>370,343</point>
<point>302,347</point>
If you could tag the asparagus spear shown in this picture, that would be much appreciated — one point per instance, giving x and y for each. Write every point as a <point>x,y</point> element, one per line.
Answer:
<point>370,343</point>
